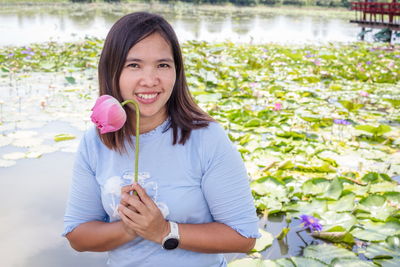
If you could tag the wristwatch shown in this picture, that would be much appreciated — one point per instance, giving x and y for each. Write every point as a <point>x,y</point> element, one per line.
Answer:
<point>171,241</point>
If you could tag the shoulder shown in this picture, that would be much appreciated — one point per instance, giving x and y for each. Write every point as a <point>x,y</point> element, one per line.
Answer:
<point>90,141</point>
<point>212,140</point>
<point>213,131</point>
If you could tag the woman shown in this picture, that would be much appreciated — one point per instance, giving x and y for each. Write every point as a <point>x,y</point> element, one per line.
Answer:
<point>193,199</point>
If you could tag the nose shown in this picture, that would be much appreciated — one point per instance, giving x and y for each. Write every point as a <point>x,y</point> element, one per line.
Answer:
<point>149,77</point>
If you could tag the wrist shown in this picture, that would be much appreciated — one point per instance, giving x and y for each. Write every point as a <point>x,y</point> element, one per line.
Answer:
<point>166,229</point>
<point>128,233</point>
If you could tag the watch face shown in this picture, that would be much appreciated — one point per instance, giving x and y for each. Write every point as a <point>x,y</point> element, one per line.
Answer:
<point>171,243</point>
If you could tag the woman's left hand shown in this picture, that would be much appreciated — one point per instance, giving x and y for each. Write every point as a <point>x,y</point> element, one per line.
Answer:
<point>141,214</point>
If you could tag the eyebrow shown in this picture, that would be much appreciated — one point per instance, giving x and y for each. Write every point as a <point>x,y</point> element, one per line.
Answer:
<point>130,59</point>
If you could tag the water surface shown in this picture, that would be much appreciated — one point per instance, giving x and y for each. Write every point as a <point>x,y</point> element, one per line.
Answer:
<point>18,27</point>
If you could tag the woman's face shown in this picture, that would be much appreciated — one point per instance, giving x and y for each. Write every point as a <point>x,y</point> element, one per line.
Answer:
<point>148,76</point>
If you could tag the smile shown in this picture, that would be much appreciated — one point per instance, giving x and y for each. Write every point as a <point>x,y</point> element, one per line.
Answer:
<point>147,96</point>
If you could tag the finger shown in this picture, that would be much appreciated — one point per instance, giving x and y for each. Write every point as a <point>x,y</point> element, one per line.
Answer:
<point>133,201</point>
<point>132,215</point>
<point>143,195</point>
<point>127,221</point>
<point>125,196</point>
<point>126,189</point>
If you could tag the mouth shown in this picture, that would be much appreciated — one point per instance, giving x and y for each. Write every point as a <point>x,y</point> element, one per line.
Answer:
<point>147,98</point>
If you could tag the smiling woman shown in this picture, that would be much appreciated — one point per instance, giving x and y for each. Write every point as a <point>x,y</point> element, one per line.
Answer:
<point>193,200</point>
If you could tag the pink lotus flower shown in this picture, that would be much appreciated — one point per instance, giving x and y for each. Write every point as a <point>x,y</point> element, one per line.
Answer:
<point>364,94</point>
<point>108,114</point>
<point>277,106</point>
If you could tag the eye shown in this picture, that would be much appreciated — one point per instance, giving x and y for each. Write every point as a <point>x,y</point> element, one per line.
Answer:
<point>164,65</point>
<point>133,65</point>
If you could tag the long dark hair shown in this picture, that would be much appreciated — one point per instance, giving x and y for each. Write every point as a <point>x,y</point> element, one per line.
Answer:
<point>185,114</point>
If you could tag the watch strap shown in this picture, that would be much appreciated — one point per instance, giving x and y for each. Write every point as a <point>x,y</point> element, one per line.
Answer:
<point>174,229</point>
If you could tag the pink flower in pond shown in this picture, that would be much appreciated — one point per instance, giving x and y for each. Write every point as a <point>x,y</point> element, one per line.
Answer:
<point>317,62</point>
<point>277,106</point>
<point>364,94</point>
<point>108,114</point>
<point>311,223</point>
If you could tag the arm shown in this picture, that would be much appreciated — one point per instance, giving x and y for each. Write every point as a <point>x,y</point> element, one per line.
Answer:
<point>99,236</point>
<point>85,218</point>
<point>213,238</point>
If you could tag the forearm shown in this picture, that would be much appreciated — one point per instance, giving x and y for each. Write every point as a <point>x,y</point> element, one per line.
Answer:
<point>213,238</point>
<point>99,236</point>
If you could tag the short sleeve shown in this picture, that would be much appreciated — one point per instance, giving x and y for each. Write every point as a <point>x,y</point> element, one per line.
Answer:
<point>84,201</point>
<point>225,183</point>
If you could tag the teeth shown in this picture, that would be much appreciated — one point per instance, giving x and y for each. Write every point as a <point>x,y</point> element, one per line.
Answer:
<point>147,96</point>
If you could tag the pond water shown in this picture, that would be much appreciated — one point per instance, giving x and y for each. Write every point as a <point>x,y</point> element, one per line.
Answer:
<point>24,26</point>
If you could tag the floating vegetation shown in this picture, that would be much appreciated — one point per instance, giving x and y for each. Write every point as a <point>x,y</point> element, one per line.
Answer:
<point>317,126</point>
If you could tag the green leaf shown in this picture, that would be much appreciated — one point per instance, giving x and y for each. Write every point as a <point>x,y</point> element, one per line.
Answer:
<point>284,262</point>
<point>70,80</point>
<point>248,262</point>
<point>395,102</point>
<point>377,207</point>
<point>63,137</point>
<point>388,249</point>
<point>264,241</point>
<point>388,262</point>
<point>326,253</point>
<point>341,262</point>
<point>345,203</point>
<point>283,233</point>
<point>384,187</point>
<point>336,234</point>
<point>376,131</point>
<point>206,97</point>
<point>334,190</point>
<point>309,262</point>
<point>315,186</point>
<point>316,206</point>
<point>375,231</point>
<point>393,197</point>
<point>370,177</point>
<point>350,105</point>
<point>331,219</point>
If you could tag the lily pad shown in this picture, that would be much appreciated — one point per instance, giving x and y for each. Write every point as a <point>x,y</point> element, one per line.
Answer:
<point>375,231</point>
<point>327,253</point>
<point>340,262</point>
<point>332,219</point>
<point>264,241</point>
<point>7,163</point>
<point>14,156</point>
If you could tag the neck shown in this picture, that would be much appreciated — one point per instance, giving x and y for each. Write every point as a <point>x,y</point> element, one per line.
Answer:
<point>148,124</point>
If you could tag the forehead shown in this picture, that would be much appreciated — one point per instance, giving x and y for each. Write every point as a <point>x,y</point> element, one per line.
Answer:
<point>153,45</point>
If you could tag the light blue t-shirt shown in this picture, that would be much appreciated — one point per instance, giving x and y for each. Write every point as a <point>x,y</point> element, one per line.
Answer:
<point>200,182</point>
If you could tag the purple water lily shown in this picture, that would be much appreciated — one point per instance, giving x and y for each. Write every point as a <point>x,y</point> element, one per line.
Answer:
<point>27,52</point>
<point>341,122</point>
<point>311,223</point>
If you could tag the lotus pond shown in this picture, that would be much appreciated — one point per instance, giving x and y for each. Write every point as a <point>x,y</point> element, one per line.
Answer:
<point>317,126</point>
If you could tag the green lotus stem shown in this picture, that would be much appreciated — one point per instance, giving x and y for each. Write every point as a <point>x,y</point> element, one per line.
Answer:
<point>135,178</point>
